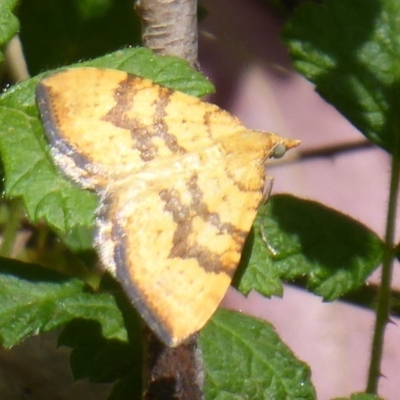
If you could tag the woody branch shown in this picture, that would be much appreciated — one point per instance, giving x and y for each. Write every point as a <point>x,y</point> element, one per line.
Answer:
<point>170,27</point>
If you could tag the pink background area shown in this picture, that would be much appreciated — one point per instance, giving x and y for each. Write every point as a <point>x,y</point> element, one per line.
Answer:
<point>240,51</point>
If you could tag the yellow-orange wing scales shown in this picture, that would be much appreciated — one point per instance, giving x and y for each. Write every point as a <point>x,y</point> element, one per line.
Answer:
<point>179,179</point>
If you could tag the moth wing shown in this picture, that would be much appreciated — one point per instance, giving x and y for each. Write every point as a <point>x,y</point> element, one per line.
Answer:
<point>177,242</point>
<point>105,123</point>
<point>180,181</point>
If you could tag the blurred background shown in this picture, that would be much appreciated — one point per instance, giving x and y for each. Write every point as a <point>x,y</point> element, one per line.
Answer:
<point>241,52</point>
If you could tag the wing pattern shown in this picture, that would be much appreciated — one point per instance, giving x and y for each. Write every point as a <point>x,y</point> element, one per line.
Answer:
<point>180,181</point>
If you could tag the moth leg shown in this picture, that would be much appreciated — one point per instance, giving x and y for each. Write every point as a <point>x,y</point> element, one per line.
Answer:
<point>269,181</point>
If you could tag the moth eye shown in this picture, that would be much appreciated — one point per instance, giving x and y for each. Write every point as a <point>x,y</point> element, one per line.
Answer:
<point>278,151</point>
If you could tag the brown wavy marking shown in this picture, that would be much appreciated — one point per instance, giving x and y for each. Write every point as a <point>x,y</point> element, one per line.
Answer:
<point>142,135</point>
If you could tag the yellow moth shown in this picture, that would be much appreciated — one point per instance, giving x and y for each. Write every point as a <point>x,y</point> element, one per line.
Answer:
<point>179,181</point>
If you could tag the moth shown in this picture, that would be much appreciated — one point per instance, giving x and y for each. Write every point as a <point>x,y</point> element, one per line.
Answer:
<point>179,181</point>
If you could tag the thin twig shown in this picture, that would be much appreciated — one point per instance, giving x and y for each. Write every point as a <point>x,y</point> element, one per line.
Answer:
<point>384,295</point>
<point>13,224</point>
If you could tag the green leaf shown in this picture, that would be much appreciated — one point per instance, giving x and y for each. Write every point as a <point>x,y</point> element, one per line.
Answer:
<point>95,357</point>
<point>29,170</point>
<point>351,51</point>
<point>78,238</point>
<point>9,24</point>
<point>244,358</point>
<point>64,32</point>
<point>127,388</point>
<point>307,240</point>
<point>256,270</point>
<point>168,71</point>
<point>34,300</point>
<point>101,359</point>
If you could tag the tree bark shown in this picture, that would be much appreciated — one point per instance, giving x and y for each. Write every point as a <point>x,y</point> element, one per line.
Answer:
<point>173,373</point>
<point>170,27</point>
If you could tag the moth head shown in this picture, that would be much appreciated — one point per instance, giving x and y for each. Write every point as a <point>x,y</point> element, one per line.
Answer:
<point>278,151</point>
<point>279,147</point>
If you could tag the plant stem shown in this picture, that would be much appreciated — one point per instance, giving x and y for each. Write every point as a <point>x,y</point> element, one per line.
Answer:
<point>383,308</point>
<point>12,226</point>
